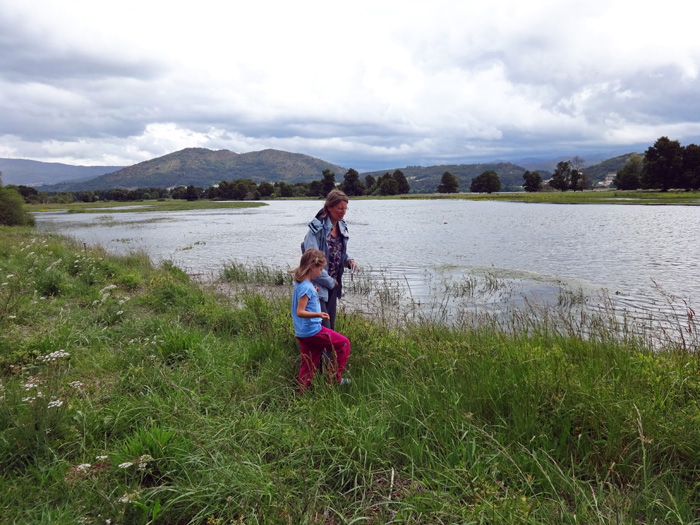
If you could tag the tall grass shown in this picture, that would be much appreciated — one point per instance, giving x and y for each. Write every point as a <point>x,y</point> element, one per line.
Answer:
<point>130,393</point>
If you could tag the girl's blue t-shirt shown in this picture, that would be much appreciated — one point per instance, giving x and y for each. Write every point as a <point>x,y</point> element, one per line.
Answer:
<point>306,327</point>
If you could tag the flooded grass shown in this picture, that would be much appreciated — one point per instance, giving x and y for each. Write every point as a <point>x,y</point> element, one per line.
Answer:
<point>139,206</point>
<point>131,394</point>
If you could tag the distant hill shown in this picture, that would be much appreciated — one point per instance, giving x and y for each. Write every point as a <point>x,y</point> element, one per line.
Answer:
<point>427,179</point>
<point>204,168</point>
<point>33,173</point>
<point>598,172</point>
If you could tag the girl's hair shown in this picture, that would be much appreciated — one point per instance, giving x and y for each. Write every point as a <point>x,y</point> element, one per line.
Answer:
<point>312,258</point>
<point>332,199</point>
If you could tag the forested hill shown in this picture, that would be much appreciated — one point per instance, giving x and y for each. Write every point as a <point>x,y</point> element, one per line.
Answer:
<point>426,179</point>
<point>203,167</point>
<point>599,171</point>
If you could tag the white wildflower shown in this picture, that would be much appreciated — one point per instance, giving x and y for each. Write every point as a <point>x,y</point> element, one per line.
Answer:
<point>84,466</point>
<point>107,288</point>
<point>120,312</point>
<point>126,464</point>
<point>55,403</point>
<point>100,458</point>
<point>76,384</point>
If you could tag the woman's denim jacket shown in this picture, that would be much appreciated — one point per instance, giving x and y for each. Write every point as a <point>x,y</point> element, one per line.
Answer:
<point>316,237</point>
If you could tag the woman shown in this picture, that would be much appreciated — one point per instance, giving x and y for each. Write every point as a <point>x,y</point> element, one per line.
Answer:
<point>329,233</point>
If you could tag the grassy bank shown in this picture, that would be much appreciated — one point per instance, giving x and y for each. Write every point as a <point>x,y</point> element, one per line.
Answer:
<point>138,206</point>
<point>581,197</point>
<point>129,393</point>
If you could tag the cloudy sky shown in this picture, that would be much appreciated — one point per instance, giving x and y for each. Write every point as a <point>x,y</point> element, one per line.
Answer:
<point>363,84</point>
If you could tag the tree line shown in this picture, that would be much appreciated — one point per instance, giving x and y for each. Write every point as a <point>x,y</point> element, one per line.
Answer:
<point>237,189</point>
<point>664,166</point>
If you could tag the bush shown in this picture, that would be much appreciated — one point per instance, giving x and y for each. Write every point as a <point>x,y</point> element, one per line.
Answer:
<point>12,209</point>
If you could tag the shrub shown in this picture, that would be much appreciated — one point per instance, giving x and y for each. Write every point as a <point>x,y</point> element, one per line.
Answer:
<point>12,209</point>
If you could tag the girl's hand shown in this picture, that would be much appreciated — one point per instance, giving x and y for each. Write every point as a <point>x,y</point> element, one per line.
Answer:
<point>325,316</point>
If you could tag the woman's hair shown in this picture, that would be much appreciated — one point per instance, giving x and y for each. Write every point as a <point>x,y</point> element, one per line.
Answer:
<point>312,258</point>
<point>332,199</point>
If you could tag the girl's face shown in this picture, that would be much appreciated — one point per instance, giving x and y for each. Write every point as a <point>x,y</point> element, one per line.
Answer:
<point>337,212</point>
<point>316,271</point>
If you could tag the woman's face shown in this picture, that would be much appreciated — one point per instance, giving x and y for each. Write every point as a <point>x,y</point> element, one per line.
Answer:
<point>337,212</point>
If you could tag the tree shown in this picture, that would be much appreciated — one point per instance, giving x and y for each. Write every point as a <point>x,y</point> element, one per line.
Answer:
<point>315,189</point>
<point>533,181</point>
<point>286,190</point>
<point>191,193</point>
<point>448,183</point>
<point>628,178</point>
<point>266,189</point>
<point>179,192</point>
<point>328,182</point>
<point>388,185</point>
<point>400,178</point>
<point>352,185</point>
<point>576,180</point>
<point>487,182</point>
<point>690,177</point>
<point>663,163</point>
<point>12,209</point>
<point>561,178</point>
<point>370,184</point>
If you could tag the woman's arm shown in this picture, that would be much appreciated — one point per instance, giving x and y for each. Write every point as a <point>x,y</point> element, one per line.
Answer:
<point>304,314</point>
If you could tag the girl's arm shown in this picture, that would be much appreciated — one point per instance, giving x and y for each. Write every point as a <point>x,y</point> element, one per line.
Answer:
<point>304,314</point>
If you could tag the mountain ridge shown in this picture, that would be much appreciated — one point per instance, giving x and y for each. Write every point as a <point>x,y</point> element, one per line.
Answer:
<point>204,167</point>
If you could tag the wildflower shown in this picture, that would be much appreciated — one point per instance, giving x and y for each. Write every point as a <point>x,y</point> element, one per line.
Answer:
<point>12,317</point>
<point>10,276</point>
<point>101,457</point>
<point>50,267</point>
<point>53,356</point>
<point>126,464</point>
<point>55,403</point>
<point>107,288</point>
<point>120,312</point>
<point>76,384</point>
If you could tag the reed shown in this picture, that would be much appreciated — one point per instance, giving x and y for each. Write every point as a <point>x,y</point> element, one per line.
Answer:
<point>157,400</point>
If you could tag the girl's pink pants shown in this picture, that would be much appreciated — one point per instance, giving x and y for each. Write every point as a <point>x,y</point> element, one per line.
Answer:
<point>311,349</point>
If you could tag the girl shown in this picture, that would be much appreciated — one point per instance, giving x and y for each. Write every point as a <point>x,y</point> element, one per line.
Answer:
<point>312,336</point>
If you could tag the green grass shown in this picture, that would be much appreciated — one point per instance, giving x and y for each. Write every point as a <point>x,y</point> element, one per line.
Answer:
<point>138,206</point>
<point>580,197</point>
<point>162,402</point>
